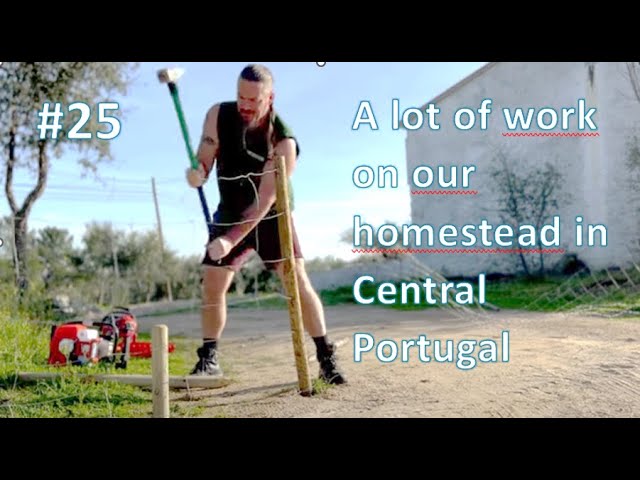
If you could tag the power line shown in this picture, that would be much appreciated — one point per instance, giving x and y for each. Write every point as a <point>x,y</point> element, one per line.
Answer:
<point>89,189</point>
<point>115,180</point>
<point>173,200</point>
<point>127,223</point>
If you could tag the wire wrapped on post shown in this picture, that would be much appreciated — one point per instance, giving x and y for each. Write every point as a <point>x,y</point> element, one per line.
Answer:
<point>290,277</point>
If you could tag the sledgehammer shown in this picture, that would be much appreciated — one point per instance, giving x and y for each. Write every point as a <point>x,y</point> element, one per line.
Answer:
<point>170,76</point>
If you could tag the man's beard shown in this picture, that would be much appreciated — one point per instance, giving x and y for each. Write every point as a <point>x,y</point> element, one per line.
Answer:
<point>255,123</point>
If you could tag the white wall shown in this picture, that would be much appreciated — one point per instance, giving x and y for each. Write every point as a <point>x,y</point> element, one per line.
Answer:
<point>595,171</point>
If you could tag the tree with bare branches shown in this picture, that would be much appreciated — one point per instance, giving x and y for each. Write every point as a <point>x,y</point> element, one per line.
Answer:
<point>527,195</point>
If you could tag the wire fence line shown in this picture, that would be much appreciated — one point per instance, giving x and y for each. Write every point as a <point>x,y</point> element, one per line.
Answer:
<point>586,290</point>
<point>610,292</point>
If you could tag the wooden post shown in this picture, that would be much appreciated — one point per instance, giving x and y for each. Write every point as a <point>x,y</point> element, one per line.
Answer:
<point>160,370</point>
<point>290,277</point>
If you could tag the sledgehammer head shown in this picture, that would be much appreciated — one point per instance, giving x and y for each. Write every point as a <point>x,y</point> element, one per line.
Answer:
<point>170,75</point>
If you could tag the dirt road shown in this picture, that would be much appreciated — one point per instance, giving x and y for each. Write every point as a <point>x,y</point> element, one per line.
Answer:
<point>559,366</point>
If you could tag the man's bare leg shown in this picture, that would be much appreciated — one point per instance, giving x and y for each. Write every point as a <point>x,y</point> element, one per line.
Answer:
<point>314,323</point>
<point>216,283</point>
<point>312,309</point>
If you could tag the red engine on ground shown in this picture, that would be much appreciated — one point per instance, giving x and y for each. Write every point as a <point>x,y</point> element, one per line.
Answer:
<point>114,340</point>
<point>75,344</point>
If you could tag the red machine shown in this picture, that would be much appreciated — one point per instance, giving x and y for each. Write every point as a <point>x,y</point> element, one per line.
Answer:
<point>75,344</point>
<point>112,340</point>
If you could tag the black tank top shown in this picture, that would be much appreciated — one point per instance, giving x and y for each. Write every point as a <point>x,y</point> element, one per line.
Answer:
<point>242,155</point>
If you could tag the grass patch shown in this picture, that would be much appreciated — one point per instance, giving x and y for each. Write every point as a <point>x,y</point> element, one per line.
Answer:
<point>320,387</point>
<point>523,294</point>
<point>24,347</point>
<point>343,295</point>
<point>545,295</point>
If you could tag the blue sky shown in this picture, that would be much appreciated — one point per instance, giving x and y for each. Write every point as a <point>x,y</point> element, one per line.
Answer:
<point>319,104</point>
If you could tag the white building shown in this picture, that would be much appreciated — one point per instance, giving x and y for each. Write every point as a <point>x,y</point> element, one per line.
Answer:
<point>595,169</point>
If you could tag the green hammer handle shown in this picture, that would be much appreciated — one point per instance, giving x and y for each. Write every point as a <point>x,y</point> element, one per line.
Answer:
<point>194,162</point>
<point>183,125</point>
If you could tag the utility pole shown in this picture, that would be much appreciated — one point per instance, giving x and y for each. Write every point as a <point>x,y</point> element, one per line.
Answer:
<point>114,251</point>
<point>155,201</point>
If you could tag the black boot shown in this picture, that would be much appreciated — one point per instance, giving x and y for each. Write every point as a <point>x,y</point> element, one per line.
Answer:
<point>329,371</point>
<point>207,362</point>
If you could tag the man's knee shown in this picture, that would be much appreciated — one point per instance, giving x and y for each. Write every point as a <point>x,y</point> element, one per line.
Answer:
<point>217,280</point>
<point>303,277</point>
<point>304,283</point>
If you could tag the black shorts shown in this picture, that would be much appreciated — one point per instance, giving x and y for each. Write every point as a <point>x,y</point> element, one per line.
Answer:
<point>264,240</point>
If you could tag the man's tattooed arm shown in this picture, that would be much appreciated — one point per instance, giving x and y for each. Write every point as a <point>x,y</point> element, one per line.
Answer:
<point>209,147</point>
